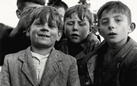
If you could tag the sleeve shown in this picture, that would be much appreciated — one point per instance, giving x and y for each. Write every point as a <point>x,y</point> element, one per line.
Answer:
<point>132,76</point>
<point>73,78</point>
<point>4,74</point>
<point>92,43</point>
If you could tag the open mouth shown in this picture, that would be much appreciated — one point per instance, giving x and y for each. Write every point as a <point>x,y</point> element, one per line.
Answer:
<point>112,34</point>
<point>43,35</point>
<point>74,35</point>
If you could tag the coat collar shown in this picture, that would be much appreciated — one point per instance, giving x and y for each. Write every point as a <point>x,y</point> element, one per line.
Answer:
<point>120,55</point>
<point>51,69</point>
<point>91,57</point>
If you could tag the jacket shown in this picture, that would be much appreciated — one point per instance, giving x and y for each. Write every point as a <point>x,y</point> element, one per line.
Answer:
<point>79,51</point>
<point>18,70</point>
<point>121,73</point>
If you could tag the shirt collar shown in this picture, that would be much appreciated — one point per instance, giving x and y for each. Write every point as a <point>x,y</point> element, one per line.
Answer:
<point>38,56</point>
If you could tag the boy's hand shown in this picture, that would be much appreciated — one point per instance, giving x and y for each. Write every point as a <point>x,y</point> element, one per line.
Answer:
<point>92,43</point>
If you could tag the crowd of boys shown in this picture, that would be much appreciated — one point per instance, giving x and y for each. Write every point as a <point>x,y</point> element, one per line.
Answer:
<point>55,46</point>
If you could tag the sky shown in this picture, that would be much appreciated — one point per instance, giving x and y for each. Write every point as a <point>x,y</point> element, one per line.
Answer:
<point>8,11</point>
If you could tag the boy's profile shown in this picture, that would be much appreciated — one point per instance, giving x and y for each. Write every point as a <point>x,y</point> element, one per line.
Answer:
<point>114,62</point>
<point>40,64</point>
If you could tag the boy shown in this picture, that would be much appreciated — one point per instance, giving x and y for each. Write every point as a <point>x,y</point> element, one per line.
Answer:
<point>59,5</point>
<point>114,62</point>
<point>61,8</point>
<point>40,64</point>
<point>11,38</point>
<point>78,22</point>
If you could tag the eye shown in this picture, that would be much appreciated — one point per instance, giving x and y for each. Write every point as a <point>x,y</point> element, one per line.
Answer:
<point>52,25</point>
<point>70,23</point>
<point>104,22</point>
<point>38,23</point>
<point>82,23</point>
<point>118,20</point>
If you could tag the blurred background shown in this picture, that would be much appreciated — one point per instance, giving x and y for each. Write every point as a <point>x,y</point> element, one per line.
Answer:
<point>8,10</point>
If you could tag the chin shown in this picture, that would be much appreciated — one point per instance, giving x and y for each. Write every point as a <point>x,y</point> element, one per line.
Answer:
<point>75,41</point>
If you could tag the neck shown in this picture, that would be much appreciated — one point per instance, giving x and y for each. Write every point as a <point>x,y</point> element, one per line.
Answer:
<point>41,51</point>
<point>117,45</point>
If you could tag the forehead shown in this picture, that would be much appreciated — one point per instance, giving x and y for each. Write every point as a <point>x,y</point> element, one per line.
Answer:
<point>112,13</point>
<point>74,17</point>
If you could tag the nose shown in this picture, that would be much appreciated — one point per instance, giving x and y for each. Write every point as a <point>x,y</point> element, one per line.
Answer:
<point>75,28</point>
<point>111,25</point>
<point>44,28</point>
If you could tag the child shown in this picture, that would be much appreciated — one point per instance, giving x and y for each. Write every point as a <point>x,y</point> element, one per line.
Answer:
<point>59,5</point>
<point>11,38</point>
<point>78,22</point>
<point>40,64</point>
<point>114,63</point>
<point>61,8</point>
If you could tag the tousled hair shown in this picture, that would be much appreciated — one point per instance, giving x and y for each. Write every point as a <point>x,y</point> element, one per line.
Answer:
<point>22,3</point>
<point>117,7</point>
<point>57,4</point>
<point>40,13</point>
<point>81,10</point>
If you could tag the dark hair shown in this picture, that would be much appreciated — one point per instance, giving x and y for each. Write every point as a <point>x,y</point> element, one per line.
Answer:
<point>22,3</point>
<point>81,10</point>
<point>41,12</point>
<point>57,3</point>
<point>117,7</point>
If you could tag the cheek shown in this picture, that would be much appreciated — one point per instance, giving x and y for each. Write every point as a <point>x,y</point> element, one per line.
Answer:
<point>84,32</point>
<point>68,30</point>
<point>102,31</point>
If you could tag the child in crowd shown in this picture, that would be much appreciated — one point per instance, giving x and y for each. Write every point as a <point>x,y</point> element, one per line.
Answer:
<point>13,39</point>
<point>40,64</point>
<point>61,8</point>
<point>114,62</point>
<point>78,22</point>
<point>59,5</point>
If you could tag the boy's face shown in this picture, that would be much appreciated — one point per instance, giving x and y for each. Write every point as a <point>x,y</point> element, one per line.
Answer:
<point>43,35</point>
<point>77,30</point>
<point>114,27</point>
<point>27,4</point>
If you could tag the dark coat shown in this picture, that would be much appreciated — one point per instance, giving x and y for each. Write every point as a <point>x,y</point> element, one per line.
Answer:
<point>122,72</point>
<point>4,40</point>
<point>79,51</point>
<point>18,70</point>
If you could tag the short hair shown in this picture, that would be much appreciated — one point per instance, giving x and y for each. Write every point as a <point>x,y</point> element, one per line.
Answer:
<point>81,10</point>
<point>22,3</point>
<point>57,4</point>
<point>117,7</point>
<point>41,12</point>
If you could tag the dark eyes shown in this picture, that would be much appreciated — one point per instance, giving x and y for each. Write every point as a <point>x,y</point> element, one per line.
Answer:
<point>81,23</point>
<point>70,23</point>
<point>50,24</point>
<point>106,21</point>
<point>118,20</point>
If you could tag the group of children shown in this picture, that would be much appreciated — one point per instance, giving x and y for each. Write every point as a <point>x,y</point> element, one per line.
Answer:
<point>79,59</point>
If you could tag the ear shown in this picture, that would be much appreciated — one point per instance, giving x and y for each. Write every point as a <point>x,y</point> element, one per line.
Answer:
<point>132,27</point>
<point>27,32</point>
<point>91,28</point>
<point>18,13</point>
<point>59,35</point>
